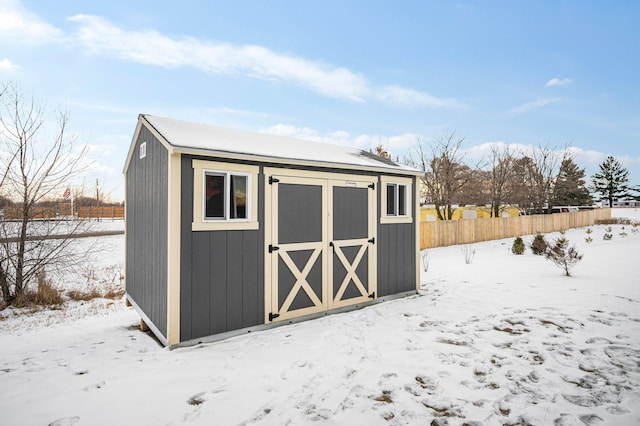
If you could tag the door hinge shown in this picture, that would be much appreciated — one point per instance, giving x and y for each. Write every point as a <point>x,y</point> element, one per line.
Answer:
<point>372,240</point>
<point>273,180</point>
<point>273,316</point>
<point>372,295</point>
<point>273,248</point>
<point>372,186</point>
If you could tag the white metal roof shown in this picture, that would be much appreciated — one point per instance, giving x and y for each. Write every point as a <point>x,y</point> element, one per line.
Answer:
<point>188,136</point>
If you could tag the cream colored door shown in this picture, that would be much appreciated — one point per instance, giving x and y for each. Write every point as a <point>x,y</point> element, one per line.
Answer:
<point>298,248</point>
<point>320,242</point>
<point>352,258</point>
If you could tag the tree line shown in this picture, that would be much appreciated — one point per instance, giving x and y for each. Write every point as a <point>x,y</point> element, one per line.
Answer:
<point>534,180</point>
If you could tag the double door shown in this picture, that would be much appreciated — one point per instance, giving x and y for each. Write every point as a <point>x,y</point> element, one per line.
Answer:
<point>320,237</point>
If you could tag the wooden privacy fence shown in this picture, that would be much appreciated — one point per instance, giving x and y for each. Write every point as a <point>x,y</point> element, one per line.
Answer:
<point>103,212</point>
<point>466,231</point>
<point>64,211</point>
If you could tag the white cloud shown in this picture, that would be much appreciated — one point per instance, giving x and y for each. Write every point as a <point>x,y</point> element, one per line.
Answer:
<point>396,144</point>
<point>7,66</point>
<point>100,36</point>
<point>17,23</point>
<point>529,106</point>
<point>401,95</point>
<point>559,82</point>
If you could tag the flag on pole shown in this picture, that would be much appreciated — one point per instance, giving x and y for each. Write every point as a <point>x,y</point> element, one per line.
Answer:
<point>67,194</point>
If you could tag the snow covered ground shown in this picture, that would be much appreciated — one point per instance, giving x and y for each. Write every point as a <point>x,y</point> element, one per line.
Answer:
<point>504,339</point>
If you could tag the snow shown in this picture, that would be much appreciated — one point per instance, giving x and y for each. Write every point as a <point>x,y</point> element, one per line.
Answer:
<point>504,339</point>
<point>218,139</point>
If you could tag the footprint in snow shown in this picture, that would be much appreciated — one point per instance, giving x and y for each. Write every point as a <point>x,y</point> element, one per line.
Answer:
<point>202,397</point>
<point>65,421</point>
<point>98,385</point>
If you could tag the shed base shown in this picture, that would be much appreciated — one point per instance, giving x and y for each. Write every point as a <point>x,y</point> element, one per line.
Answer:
<point>262,327</point>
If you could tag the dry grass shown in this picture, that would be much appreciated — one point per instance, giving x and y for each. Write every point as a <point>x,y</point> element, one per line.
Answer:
<point>83,296</point>
<point>618,221</point>
<point>45,295</point>
<point>112,292</point>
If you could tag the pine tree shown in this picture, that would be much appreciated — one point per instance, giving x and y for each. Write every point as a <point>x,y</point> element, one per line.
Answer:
<point>571,188</point>
<point>612,181</point>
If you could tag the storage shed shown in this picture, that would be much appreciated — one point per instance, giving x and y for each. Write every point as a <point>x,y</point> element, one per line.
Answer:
<point>229,231</point>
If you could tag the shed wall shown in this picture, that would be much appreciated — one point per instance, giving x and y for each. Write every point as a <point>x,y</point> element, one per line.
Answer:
<point>146,229</point>
<point>222,279</point>
<point>221,272</point>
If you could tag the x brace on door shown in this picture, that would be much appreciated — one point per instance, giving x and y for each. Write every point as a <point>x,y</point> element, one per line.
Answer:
<point>301,278</point>
<point>350,267</point>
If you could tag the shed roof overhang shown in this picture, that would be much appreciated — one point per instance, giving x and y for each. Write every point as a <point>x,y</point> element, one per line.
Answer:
<point>200,139</point>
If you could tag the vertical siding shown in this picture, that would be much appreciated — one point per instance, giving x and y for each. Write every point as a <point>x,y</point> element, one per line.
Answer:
<point>146,226</point>
<point>221,272</point>
<point>396,254</point>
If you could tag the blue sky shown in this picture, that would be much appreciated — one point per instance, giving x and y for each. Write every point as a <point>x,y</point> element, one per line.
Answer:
<point>355,73</point>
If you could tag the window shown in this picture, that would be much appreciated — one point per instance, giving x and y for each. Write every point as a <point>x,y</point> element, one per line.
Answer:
<point>225,196</point>
<point>143,150</point>
<point>396,200</point>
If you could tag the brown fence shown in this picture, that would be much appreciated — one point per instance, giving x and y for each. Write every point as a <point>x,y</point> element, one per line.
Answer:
<point>103,212</point>
<point>466,231</point>
<point>63,210</point>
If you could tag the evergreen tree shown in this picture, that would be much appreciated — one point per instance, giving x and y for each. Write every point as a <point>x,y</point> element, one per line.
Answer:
<point>612,181</point>
<point>571,188</point>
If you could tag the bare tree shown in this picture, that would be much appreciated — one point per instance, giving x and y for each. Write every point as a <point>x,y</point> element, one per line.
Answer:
<point>538,171</point>
<point>521,186</point>
<point>501,160</point>
<point>33,166</point>
<point>475,190</point>
<point>445,175</point>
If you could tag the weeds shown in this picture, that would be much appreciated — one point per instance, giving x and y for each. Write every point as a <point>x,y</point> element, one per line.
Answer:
<point>618,221</point>
<point>83,296</point>
<point>424,260</point>
<point>468,253</point>
<point>44,295</point>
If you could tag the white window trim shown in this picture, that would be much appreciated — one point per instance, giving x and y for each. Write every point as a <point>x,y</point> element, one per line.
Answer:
<point>227,192</point>
<point>200,222</point>
<point>408,183</point>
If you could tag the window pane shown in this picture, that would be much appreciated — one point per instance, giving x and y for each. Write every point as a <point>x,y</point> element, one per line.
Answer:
<point>391,199</point>
<point>238,195</point>
<point>402,200</point>
<point>214,196</point>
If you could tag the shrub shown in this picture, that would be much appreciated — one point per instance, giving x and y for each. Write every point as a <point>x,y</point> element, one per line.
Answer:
<point>539,245</point>
<point>518,246</point>
<point>607,236</point>
<point>564,256</point>
<point>589,240</point>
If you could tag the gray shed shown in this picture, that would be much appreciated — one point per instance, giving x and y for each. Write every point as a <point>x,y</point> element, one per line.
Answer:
<point>229,231</point>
